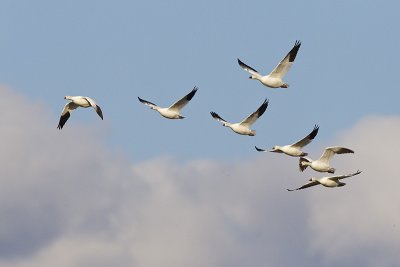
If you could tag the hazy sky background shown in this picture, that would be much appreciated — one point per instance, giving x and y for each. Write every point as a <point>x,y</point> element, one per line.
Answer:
<point>139,190</point>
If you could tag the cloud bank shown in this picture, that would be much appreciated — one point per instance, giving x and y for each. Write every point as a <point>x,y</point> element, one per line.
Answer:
<point>68,200</point>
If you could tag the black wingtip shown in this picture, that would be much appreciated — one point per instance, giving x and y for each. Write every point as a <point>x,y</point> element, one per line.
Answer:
<point>241,63</point>
<point>295,49</point>
<point>314,132</point>
<point>192,93</point>
<point>99,112</point>
<point>63,120</point>
<point>214,115</point>
<point>263,107</point>
<point>245,66</point>
<point>259,149</point>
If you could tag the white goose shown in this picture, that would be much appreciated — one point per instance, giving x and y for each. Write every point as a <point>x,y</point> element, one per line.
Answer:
<point>77,101</point>
<point>294,150</point>
<point>330,181</point>
<point>243,127</point>
<point>173,111</point>
<point>322,164</point>
<point>275,78</point>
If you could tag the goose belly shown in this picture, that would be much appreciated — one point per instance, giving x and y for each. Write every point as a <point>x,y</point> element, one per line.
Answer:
<point>169,114</point>
<point>291,151</point>
<point>320,166</point>
<point>81,102</point>
<point>271,81</point>
<point>328,183</point>
<point>242,130</point>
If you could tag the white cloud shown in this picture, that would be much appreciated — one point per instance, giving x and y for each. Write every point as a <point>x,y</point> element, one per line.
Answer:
<point>66,200</point>
<point>361,221</point>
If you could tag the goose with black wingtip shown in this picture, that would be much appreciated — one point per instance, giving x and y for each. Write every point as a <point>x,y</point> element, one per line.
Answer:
<point>294,150</point>
<point>275,78</point>
<point>243,127</point>
<point>323,163</point>
<point>173,111</point>
<point>76,102</point>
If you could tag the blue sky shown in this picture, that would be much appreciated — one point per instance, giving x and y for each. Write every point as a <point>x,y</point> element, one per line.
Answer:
<point>345,70</point>
<point>117,189</point>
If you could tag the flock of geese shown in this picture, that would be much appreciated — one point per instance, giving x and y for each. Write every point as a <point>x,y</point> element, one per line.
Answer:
<point>273,80</point>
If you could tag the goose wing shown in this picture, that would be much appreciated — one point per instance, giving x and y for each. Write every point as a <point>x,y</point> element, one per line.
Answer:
<point>147,103</point>
<point>184,100</point>
<point>95,106</point>
<point>286,62</point>
<point>309,184</point>
<point>339,177</point>
<point>259,149</point>
<point>330,151</point>
<point>66,113</point>
<point>255,115</point>
<point>217,117</point>
<point>248,69</point>
<point>306,140</point>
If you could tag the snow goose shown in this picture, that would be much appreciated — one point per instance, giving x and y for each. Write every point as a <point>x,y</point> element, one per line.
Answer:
<point>77,101</point>
<point>294,150</point>
<point>172,112</point>
<point>243,127</point>
<point>329,181</point>
<point>322,164</point>
<point>275,78</point>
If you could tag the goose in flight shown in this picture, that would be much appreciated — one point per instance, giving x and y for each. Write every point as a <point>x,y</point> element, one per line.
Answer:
<point>243,127</point>
<point>329,181</point>
<point>172,112</point>
<point>322,164</point>
<point>77,101</point>
<point>275,78</point>
<point>294,150</point>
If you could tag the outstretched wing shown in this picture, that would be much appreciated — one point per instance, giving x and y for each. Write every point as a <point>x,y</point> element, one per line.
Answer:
<point>330,151</point>
<point>177,106</point>
<point>98,111</point>
<point>339,177</point>
<point>147,103</point>
<point>66,113</point>
<point>286,62</point>
<point>248,69</point>
<point>95,106</point>
<point>217,117</point>
<point>309,184</point>
<point>255,115</point>
<point>306,140</point>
